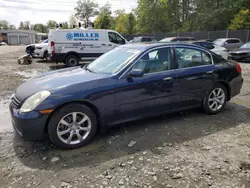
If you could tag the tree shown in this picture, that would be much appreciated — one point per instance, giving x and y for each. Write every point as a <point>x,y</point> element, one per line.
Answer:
<point>26,25</point>
<point>86,9</point>
<point>51,24</point>
<point>4,24</point>
<point>72,21</point>
<point>241,20</point>
<point>104,19</point>
<point>152,15</point>
<point>131,23</point>
<point>40,28</point>
<point>65,25</point>
<point>21,25</point>
<point>12,27</point>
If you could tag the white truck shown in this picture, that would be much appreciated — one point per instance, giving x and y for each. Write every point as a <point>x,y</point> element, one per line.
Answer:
<point>72,45</point>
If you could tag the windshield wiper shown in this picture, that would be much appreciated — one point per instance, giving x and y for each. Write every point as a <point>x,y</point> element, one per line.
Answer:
<point>86,68</point>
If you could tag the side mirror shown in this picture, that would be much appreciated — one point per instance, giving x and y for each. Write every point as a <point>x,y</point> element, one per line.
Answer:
<point>136,73</point>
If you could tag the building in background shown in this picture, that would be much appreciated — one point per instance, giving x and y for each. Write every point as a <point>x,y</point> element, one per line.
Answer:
<point>18,37</point>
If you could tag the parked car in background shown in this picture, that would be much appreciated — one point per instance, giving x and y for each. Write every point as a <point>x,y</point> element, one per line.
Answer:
<point>228,43</point>
<point>72,45</point>
<point>3,44</point>
<point>143,39</point>
<point>39,50</point>
<point>223,52</point>
<point>242,53</point>
<point>128,83</point>
<point>177,39</point>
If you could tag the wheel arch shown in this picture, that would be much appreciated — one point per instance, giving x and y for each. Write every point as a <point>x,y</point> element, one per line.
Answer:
<point>83,102</point>
<point>227,86</point>
<point>72,53</point>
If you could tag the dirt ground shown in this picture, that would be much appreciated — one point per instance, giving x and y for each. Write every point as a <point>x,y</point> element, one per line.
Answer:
<point>182,150</point>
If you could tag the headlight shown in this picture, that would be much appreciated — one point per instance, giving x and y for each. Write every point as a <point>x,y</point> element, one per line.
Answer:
<point>33,101</point>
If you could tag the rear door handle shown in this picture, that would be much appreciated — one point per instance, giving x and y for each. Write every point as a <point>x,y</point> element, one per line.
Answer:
<point>210,72</point>
<point>168,79</point>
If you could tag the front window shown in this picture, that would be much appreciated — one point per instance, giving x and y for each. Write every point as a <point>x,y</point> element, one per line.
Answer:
<point>247,45</point>
<point>45,41</point>
<point>115,38</point>
<point>113,61</point>
<point>187,57</point>
<point>155,61</point>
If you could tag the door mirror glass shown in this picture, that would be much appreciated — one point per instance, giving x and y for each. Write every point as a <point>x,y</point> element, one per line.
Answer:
<point>136,73</point>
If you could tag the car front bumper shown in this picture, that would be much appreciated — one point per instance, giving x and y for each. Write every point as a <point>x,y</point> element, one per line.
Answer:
<point>31,125</point>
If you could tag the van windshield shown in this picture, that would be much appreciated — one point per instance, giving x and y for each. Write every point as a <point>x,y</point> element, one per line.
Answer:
<point>113,61</point>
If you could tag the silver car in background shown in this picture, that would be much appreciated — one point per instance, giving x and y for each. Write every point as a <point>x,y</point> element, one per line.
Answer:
<point>228,43</point>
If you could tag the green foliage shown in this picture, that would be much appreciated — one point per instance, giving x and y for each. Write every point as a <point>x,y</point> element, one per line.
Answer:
<point>65,25</point>
<point>86,9</point>
<point>20,25</point>
<point>104,19</point>
<point>4,24</point>
<point>72,21</point>
<point>51,24</point>
<point>241,20</point>
<point>40,28</point>
<point>26,25</point>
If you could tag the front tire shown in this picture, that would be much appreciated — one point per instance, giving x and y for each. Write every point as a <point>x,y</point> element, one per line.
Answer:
<point>72,61</point>
<point>72,126</point>
<point>215,100</point>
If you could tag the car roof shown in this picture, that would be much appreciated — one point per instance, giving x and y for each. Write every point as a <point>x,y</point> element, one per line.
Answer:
<point>227,39</point>
<point>146,46</point>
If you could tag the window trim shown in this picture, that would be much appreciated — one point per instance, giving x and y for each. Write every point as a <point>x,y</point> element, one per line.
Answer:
<point>195,48</point>
<point>115,33</point>
<point>147,51</point>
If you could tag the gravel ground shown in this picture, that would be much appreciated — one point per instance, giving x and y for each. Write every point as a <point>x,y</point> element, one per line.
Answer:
<point>187,149</point>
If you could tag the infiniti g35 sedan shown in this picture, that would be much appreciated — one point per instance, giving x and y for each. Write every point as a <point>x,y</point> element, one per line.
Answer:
<point>128,83</point>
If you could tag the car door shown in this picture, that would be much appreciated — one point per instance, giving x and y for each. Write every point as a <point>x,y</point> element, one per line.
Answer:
<point>232,44</point>
<point>194,75</point>
<point>150,94</point>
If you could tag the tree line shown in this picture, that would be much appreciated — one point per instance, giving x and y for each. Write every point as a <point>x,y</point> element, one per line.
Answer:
<point>156,16</point>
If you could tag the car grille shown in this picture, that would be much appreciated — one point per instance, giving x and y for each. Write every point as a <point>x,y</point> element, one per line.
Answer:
<point>16,103</point>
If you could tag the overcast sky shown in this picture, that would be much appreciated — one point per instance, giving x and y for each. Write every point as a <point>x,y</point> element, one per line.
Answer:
<point>40,11</point>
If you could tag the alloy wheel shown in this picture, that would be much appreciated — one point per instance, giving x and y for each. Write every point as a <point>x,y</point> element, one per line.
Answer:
<point>216,99</point>
<point>74,128</point>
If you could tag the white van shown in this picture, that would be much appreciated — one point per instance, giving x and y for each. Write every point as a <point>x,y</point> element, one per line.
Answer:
<point>72,45</point>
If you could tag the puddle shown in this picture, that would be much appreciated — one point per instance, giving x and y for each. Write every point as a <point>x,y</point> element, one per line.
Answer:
<point>28,74</point>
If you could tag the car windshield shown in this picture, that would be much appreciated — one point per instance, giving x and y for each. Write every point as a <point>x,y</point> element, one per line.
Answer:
<point>219,41</point>
<point>113,61</point>
<point>247,45</point>
<point>45,41</point>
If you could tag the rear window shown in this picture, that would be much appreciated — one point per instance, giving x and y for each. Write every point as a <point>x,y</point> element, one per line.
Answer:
<point>233,41</point>
<point>218,59</point>
<point>147,39</point>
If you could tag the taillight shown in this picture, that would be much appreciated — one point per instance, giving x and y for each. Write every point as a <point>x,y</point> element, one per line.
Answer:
<point>52,44</point>
<point>238,68</point>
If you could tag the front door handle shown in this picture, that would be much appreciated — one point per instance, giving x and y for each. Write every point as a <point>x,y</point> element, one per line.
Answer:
<point>167,79</point>
<point>210,72</point>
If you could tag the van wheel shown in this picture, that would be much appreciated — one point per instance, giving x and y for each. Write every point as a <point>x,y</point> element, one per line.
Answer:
<point>45,55</point>
<point>72,61</point>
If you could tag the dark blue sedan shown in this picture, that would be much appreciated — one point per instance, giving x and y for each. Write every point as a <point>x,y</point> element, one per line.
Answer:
<point>128,83</point>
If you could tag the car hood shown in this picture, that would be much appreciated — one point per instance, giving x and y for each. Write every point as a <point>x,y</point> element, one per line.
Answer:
<point>56,80</point>
<point>241,50</point>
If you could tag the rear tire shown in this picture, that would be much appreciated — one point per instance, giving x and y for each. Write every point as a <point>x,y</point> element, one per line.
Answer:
<point>45,55</point>
<point>215,100</point>
<point>68,119</point>
<point>72,61</point>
